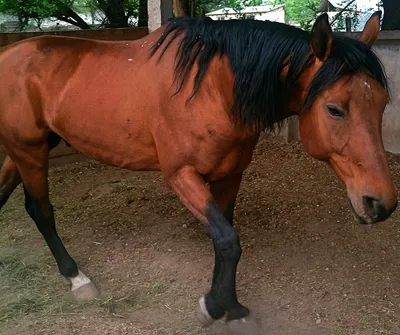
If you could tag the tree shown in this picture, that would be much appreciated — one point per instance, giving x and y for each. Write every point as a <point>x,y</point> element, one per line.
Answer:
<point>39,10</point>
<point>143,14</point>
<point>115,13</point>
<point>181,7</point>
<point>300,12</point>
<point>391,18</point>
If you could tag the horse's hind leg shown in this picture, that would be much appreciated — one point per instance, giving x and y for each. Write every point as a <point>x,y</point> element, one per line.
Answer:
<point>32,164</point>
<point>9,180</point>
<point>9,174</point>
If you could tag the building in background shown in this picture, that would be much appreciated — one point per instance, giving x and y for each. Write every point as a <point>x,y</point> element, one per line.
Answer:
<point>271,13</point>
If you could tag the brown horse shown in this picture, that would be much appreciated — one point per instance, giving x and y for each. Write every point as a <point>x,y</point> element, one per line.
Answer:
<point>191,100</point>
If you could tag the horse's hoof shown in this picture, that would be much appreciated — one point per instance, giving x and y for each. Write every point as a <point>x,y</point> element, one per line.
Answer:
<point>82,288</point>
<point>86,292</point>
<point>202,313</point>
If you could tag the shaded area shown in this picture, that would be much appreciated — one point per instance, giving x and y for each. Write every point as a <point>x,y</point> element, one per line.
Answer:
<point>306,268</point>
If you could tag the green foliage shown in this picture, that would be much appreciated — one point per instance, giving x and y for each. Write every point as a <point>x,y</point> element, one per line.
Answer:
<point>300,12</point>
<point>131,7</point>
<point>35,9</point>
<point>115,13</point>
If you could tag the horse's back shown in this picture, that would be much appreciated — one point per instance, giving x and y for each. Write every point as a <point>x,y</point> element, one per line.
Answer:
<point>113,103</point>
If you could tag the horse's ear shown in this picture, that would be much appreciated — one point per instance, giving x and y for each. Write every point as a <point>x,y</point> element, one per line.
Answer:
<point>321,38</point>
<point>371,29</point>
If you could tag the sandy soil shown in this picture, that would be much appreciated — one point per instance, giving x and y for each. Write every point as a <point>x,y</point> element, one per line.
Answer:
<point>307,267</point>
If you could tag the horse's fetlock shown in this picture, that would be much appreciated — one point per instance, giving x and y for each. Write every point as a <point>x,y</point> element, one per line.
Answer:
<point>68,268</point>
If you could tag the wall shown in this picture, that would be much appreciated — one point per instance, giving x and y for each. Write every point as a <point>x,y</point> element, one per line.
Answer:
<point>387,48</point>
<point>97,34</point>
<point>63,154</point>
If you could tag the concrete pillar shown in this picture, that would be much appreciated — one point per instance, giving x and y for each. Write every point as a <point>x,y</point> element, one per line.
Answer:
<point>159,11</point>
<point>290,131</point>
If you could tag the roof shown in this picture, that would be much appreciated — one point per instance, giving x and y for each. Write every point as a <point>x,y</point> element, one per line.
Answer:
<point>246,10</point>
<point>337,3</point>
<point>333,3</point>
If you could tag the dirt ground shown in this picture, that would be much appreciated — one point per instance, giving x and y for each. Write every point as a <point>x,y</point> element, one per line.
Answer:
<point>307,267</point>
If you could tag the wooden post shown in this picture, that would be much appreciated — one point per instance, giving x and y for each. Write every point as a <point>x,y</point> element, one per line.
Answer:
<point>159,11</point>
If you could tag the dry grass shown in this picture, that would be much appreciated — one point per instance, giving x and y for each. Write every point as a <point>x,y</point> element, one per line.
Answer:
<point>28,285</point>
<point>31,287</point>
<point>29,280</point>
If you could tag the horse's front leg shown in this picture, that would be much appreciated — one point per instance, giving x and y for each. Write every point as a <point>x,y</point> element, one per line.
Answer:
<point>221,299</point>
<point>225,192</point>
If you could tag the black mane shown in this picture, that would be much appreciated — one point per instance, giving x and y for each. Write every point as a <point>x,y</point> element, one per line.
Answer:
<point>256,51</point>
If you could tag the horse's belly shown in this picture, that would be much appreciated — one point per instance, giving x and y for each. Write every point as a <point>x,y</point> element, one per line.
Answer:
<point>136,157</point>
<point>123,143</point>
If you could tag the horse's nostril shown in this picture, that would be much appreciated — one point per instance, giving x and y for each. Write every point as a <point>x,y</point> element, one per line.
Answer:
<point>372,207</point>
<point>375,209</point>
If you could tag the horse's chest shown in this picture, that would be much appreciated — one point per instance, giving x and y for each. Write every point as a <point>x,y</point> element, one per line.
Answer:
<point>220,161</point>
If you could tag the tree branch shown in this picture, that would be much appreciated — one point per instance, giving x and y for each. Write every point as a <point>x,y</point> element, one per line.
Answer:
<point>70,16</point>
<point>342,10</point>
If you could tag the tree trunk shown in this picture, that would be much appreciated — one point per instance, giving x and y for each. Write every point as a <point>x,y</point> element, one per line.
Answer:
<point>192,8</point>
<point>23,22</point>
<point>181,8</point>
<point>115,12</point>
<point>391,18</point>
<point>70,16</point>
<point>143,16</point>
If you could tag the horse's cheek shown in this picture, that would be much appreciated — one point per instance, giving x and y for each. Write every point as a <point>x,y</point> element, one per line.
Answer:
<point>313,136</point>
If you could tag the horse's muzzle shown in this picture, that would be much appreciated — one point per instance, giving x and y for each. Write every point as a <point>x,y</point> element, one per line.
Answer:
<point>374,209</point>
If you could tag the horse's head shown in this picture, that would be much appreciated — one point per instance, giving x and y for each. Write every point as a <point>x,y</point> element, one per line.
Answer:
<point>346,94</point>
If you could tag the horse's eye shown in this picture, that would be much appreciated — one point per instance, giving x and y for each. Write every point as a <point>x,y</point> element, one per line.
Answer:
<point>335,112</point>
